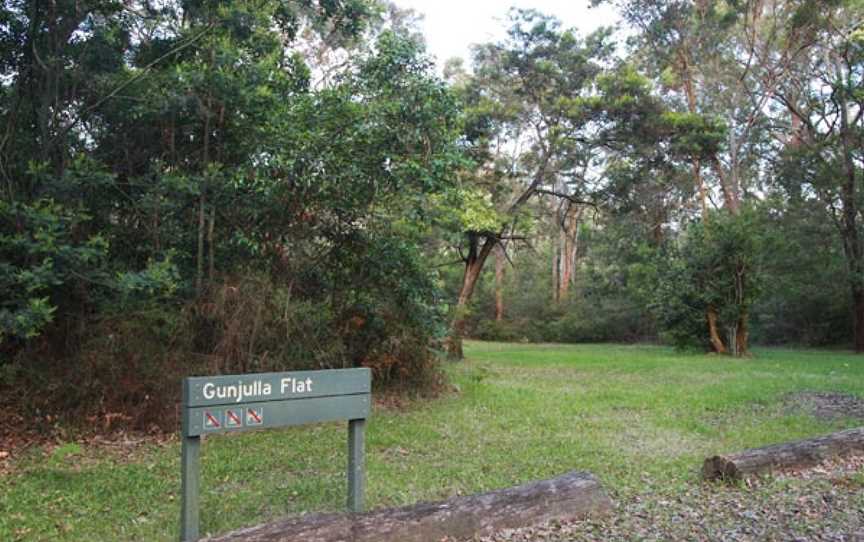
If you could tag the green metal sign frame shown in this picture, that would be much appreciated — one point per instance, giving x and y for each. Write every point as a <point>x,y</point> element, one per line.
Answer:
<point>228,404</point>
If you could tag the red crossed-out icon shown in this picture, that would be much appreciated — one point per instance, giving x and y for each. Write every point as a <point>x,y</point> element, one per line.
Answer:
<point>233,418</point>
<point>254,416</point>
<point>211,421</point>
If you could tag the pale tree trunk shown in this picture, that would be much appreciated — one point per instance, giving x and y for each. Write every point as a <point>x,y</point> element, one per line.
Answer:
<point>728,185</point>
<point>474,262</point>
<point>202,203</point>
<point>700,185</point>
<point>691,107</point>
<point>500,267</point>
<point>556,268</point>
<point>202,209</point>
<point>711,313</point>
<point>570,222</point>
<point>731,190</point>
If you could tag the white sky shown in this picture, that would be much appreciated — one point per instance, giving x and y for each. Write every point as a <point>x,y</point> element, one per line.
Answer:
<point>451,26</point>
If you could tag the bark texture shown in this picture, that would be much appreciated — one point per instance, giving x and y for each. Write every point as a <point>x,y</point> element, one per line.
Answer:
<point>474,261</point>
<point>573,495</point>
<point>569,221</point>
<point>500,266</point>
<point>790,455</point>
<point>713,332</point>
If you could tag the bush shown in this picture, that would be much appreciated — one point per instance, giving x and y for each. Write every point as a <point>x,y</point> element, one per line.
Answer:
<point>127,367</point>
<point>718,266</point>
<point>606,319</point>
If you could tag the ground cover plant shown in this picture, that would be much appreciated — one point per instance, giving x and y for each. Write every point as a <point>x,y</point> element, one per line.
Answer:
<point>641,418</point>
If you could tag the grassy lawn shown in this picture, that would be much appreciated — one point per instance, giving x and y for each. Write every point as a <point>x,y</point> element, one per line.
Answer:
<point>638,417</point>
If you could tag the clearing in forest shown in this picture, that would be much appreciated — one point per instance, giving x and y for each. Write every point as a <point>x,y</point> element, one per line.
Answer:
<point>641,418</point>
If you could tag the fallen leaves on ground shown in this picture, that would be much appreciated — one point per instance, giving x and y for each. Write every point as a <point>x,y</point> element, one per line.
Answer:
<point>822,504</point>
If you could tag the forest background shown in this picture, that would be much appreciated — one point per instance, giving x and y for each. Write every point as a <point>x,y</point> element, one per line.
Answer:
<point>225,186</point>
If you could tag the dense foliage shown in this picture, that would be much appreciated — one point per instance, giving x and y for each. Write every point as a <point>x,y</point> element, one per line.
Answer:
<point>202,186</point>
<point>179,197</point>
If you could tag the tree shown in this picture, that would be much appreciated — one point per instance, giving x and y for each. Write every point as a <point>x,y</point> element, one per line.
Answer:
<point>721,60</point>
<point>715,265</point>
<point>533,92</point>
<point>185,153</point>
<point>822,157</point>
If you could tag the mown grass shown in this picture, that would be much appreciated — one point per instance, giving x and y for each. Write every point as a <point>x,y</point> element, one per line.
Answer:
<point>639,417</point>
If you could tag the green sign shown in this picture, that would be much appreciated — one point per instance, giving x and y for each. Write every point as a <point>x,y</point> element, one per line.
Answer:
<point>233,403</point>
<point>225,404</point>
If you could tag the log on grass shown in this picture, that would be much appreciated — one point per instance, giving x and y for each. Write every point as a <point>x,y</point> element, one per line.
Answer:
<point>574,495</point>
<point>788,456</point>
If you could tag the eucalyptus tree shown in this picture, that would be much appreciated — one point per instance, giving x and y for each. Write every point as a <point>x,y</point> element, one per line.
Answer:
<point>725,61</point>
<point>823,104</point>
<point>532,96</point>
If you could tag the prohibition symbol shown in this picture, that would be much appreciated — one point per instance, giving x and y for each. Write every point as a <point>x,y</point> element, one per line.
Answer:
<point>235,403</point>
<point>254,416</point>
<point>212,420</point>
<point>233,418</point>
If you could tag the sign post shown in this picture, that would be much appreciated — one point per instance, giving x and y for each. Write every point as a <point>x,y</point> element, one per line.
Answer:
<point>227,404</point>
<point>356,462</point>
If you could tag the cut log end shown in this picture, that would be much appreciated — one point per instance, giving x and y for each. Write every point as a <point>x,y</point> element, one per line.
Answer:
<point>572,496</point>
<point>720,468</point>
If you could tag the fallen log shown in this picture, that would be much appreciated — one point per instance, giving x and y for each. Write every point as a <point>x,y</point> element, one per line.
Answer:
<point>574,495</point>
<point>790,455</point>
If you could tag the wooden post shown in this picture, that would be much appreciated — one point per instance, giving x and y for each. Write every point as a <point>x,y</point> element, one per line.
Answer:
<point>356,465</point>
<point>190,475</point>
<point>270,400</point>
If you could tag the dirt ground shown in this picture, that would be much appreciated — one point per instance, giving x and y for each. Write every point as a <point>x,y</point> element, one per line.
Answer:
<point>826,405</point>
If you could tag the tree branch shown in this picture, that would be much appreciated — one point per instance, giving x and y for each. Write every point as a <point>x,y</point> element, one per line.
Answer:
<point>568,197</point>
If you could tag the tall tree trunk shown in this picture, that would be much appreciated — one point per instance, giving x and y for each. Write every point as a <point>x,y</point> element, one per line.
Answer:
<point>556,269</point>
<point>570,245</point>
<point>728,185</point>
<point>711,312</point>
<point>741,328</point>
<point>714,332</point>
<point>477,258</point>
<point>474,262</point>
<point>742,333</point>
<point>690,94</point>
<point>700,185</point>
<point>851,241</point>
<point>500,267</point>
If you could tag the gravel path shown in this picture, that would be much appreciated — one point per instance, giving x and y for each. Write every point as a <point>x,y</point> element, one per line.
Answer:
<point>821,504</point>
